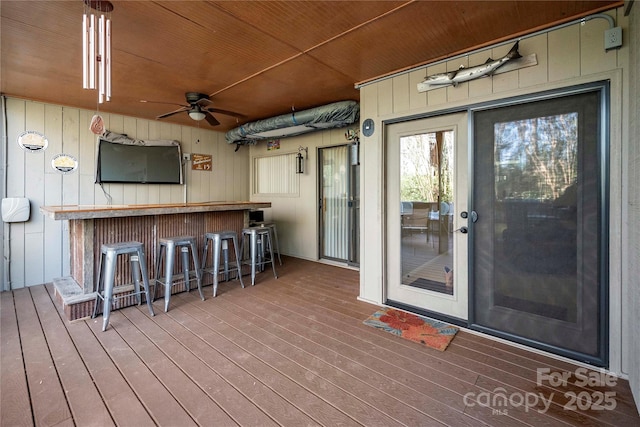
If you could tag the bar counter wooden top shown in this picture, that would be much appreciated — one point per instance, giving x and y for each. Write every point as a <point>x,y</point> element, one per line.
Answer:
<point>90,226</point>
<point>65,212</point>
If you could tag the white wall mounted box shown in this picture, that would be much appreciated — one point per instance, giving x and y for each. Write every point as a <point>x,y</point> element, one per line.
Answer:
<point>15,209</point>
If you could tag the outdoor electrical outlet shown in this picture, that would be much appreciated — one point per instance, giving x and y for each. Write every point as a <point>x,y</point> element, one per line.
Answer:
<point>613,38</point>
<point>186,156</point>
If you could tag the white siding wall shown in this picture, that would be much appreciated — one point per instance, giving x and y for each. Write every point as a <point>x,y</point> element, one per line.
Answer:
<point>631,274</point>
<point>297,215</point>
<point>39,249</point>
<point>567,56</point>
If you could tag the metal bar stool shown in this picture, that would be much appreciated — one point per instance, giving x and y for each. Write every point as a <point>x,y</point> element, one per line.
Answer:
<point>220,242</point>
<point>259,239</point>
<point>106,276</point>
<point>271,225</point>
<point>170,244</point>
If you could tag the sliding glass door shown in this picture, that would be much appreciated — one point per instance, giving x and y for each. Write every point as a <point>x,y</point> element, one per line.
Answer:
<point>540,240</point>
<point>339,206</point>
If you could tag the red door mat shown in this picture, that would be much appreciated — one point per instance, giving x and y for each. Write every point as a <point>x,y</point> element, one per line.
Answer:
<point>423,330</point>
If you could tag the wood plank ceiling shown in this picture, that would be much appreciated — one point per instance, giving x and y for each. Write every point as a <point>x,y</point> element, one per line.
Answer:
<point>257,58</point>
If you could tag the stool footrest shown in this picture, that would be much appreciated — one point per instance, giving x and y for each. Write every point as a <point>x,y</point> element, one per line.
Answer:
<point>178,278</point>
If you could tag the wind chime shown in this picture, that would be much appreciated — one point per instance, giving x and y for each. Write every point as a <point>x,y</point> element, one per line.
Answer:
<point>96,47</point>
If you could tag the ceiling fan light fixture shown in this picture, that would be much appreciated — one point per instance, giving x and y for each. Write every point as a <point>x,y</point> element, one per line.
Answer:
<point>196,114</point>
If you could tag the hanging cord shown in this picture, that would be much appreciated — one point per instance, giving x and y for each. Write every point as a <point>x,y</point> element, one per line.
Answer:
<point>106,194</point>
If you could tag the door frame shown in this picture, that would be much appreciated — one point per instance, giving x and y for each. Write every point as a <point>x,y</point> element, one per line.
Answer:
<point>353,244</point>
<point>464,123</point>
<point>604,187</point>
<point>604,229</point>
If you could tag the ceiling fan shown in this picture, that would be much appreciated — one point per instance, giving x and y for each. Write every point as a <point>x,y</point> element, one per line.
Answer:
<point>197,109</point>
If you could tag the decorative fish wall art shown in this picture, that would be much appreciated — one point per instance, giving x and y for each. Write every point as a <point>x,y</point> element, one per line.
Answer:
<point>452,78</point>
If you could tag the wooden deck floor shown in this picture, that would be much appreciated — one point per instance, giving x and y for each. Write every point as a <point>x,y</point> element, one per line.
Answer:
<point>290,352</point>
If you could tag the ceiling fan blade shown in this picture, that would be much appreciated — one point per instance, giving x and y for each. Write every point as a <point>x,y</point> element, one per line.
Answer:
<point>210,119</point>
<point>162,102</point>
<point>227,113</point>
<point>203,101</point>
<point>180,110</point>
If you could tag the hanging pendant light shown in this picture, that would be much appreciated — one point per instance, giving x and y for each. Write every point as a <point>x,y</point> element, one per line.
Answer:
<point>96,47</point>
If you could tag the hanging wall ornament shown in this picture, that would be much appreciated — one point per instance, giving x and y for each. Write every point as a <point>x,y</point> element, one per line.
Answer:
<point>64,163</point>
<point>33,141</point>
<point>97,125</point>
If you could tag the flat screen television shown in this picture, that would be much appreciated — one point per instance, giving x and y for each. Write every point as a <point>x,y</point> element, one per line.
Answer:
<point>139,163</point>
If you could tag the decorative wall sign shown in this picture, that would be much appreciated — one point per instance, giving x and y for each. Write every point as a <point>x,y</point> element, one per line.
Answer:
<point>32,141</point>
<point>64,163</point>
<point>273,145</point>
<point>201,162</point>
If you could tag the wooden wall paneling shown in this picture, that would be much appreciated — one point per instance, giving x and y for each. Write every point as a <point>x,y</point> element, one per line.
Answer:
<point>168,132</point>
<point>129,191</point>
<point>484,86</point>
<point>564,53</point>
<point>505,81</point>
<point>631,304</point>
<point>241,176</point>
<point>371,210</point>
<point>385,97</point>
<point>142,191</point>
<point>185,142</point>
<point>436,96</point>
<point>40,247</point>
<point>50,243</point>
<point>417,99</point>
<point>225,176</point>
<point>70,145</point>
<point>99,197</point>
<point>539,74</point>
<point>87,156</point>
<point>219,161</point>
<point>594,58</point>
<point>15,156</point>
<point>174,193</point>
<point>116,191</point>
<point>223,179</point>
<point>154,189</point>
<point>461,91</point>
<point>31,239</point>
<point>401,93</point>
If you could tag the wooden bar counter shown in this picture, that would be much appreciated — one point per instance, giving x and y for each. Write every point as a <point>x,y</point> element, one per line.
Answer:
<point>92,225</point>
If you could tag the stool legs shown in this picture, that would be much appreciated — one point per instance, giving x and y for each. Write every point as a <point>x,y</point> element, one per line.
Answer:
<point>258,239</point>
<point>220,242</point>
<point>254,255</point>
<point>106,277</point>
<point>275,238</point>
<point>109,276</point>
<point>170,247</point>
<point>142,260</point>
<point>273,266</point>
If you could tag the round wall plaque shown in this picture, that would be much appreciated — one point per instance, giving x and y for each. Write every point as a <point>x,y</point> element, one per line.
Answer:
<point>64,163</point>
<point>367,127</point>
<point>32,141</point>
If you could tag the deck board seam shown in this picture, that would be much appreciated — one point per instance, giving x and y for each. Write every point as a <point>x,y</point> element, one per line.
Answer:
<point>334,351</point>
<point>288,399</point>
<point>241,331</point>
